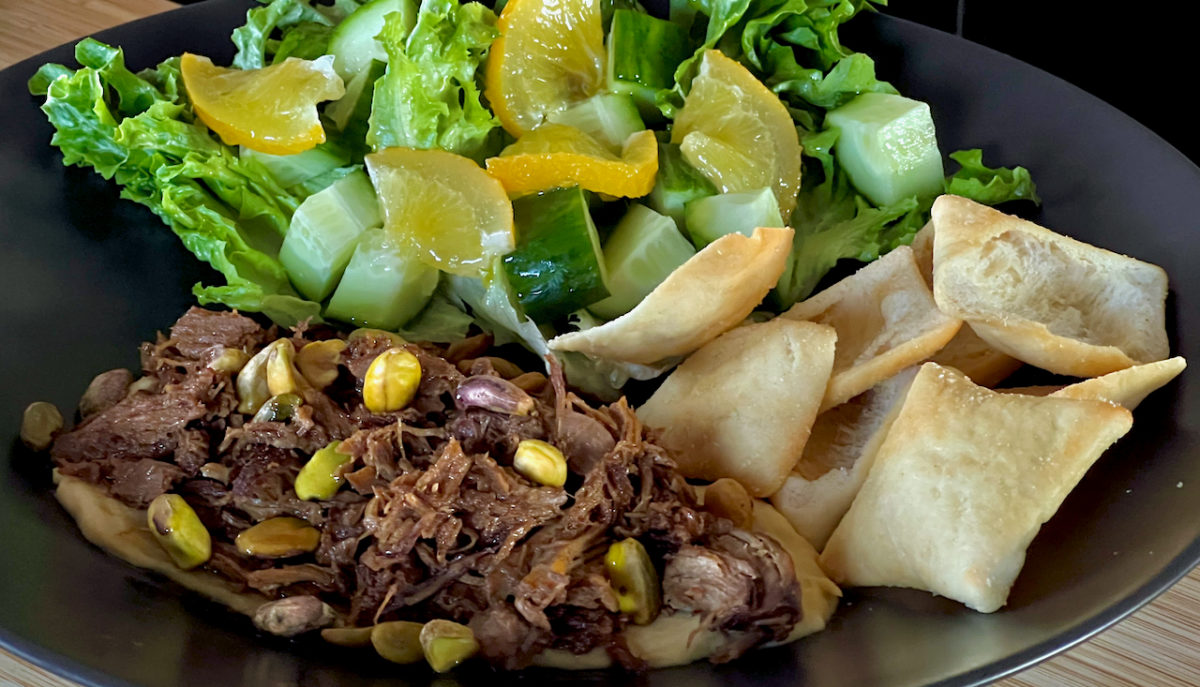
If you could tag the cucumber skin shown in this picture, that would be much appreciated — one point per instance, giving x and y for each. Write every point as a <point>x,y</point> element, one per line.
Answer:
<point>355,117</point>
<point>551,271</point>
<point>643,53</point>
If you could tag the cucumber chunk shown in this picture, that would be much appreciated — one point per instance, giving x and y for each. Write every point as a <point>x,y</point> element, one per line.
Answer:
<point>888,147</point>
<point>710,218</point>
<point>609,118</point>
<point>642,251</point>
<point>353,44</point>
<point>355,105</point>
<point>677,183</point>
<point>557,266</point>
<point>291,170</point>
<point>643,52</point>
<point>324,231</point>
<point>384,285</point>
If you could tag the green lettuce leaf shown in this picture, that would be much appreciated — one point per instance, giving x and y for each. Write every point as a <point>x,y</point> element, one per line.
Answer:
<point>267,29</point>
<point>429,97</point>
<point>794,47</point>
<point>495,308</point>
<point>709,21</point>
<point>307,40</point>
<point>281,308</point>
<point>442,320</point>
<point>139,131</point>
<point>833,222</point>
<point>990,186</point>
<point>790,45</point>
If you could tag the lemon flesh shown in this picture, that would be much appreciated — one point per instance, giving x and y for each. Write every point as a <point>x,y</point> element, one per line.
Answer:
<point>451,213</point>
<point>550,55</point>
<point>738,133</point>
<point>270,110</point>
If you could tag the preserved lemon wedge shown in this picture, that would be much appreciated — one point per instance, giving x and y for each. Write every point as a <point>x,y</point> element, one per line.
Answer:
<point>560,156</point>
<point>738,133</point>
<point>451,213</point>
<point>270,110</point>
<point>550,55</point>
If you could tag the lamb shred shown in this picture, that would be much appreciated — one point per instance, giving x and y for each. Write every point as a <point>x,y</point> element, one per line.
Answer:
<point>435,523</point>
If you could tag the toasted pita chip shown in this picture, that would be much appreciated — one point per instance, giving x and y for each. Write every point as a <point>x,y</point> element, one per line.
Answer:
<point>742,406</point>
<point>1035,390</point>
<point>976,358</point>
<point>123,532</point>
<point>1044,298</point>
<point>705,296</point>
<point>838,457</point>
<point>966,352</point>
<point>922,248</point>
<point>1127,387</point>
<point>962,482</point>
<point>678,639</point>
<point>885,319</point>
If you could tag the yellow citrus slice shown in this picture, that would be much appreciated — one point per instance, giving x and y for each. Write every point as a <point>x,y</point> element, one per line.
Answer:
<point>271,110</point>
<point>738,133</point>
<point>550,54</point>
<point>560,156</point>
<point>451,213</point>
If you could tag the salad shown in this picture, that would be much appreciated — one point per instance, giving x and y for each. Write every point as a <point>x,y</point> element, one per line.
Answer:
<point>426,170</point>
<point>530,170</point>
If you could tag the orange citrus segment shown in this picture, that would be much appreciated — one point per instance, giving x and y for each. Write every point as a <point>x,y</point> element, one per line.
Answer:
<point>560,156</point>
<point>271,110</point>
<point>550,54</point>
<point>444,207</point>
<point>738,133</point>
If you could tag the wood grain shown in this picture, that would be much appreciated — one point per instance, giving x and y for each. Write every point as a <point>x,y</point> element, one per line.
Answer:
<point>28,27</point>
<point>1158,646</point>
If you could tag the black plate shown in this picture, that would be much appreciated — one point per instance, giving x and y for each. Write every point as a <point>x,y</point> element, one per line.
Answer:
<point>85,277</point>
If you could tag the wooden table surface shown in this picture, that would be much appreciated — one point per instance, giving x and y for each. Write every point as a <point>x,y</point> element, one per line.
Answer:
<point>1159,646</point>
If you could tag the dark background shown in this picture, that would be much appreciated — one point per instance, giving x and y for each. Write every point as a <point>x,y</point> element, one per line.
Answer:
<point>1139,57</point>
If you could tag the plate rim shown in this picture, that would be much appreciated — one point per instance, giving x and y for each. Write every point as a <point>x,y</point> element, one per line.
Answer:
<point>1083,630</point>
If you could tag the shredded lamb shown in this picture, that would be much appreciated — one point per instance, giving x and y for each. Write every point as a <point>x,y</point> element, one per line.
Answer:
<point>433,521</point>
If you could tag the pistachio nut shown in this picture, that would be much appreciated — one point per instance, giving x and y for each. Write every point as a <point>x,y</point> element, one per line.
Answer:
<point>281,537</point>
<point>39,423</point>
<point>178,529</point>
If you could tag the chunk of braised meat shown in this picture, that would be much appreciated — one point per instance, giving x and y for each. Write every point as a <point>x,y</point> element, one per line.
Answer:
<point>199,332</point>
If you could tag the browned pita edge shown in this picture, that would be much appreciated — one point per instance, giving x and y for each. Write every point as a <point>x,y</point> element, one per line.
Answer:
<point>962,483</point>
<point>742,406</point>
<point>707,295</point>
<point>1128,387</point>
<point>837,458</point>
<point>975,246</point>
<point>966,352</point>
<point>886,320</point>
